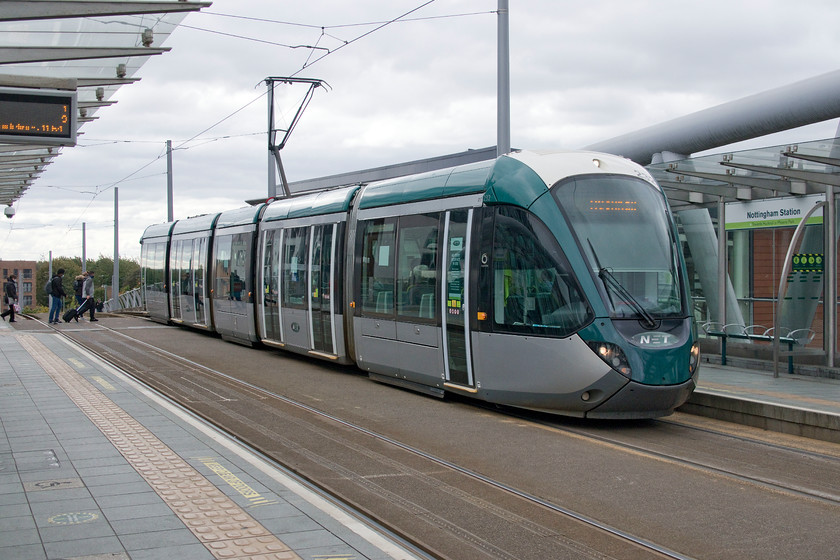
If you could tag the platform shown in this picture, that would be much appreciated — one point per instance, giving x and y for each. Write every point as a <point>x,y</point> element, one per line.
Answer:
<point>791,404</point>
<point>93,466</point>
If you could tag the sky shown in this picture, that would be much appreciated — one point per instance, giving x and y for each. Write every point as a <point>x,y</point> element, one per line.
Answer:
<point>419,87</point>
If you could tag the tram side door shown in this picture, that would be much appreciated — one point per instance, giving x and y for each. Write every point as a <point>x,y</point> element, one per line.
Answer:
<point>455,298</point>
<point>321,282</point>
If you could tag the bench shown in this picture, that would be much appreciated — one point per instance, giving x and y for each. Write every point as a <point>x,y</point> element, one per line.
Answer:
<point>760,333</point>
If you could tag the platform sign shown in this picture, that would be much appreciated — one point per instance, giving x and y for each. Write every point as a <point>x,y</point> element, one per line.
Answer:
<point>808,262</point>
<point>785,211</point>
<point>38,116</point>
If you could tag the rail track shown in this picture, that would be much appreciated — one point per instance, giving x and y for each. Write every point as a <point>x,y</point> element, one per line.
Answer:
<point>187,393</point>
<point>438,504</point>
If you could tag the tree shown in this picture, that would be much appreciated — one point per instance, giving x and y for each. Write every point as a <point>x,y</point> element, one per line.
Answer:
<point>103,269</point>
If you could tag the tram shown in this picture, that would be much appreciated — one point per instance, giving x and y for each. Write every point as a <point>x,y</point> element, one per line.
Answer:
<point>546,281</point>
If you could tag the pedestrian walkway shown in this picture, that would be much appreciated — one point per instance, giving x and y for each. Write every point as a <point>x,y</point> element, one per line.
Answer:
<point>793,404</point>
<point>94,466</point>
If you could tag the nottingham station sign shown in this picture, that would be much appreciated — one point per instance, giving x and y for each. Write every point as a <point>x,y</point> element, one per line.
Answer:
<point>37,116</point>
<point>787,211</point>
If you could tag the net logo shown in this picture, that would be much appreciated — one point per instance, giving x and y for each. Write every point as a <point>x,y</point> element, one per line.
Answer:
<point>655,340</point>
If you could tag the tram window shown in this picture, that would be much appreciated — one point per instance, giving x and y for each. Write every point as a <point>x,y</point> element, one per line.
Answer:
<point>417,266</point>
<point>160,268</point>
<point>294,267</point>
<point>534,289</point>
<point>377,266</point>
<point>223,266</point>
<point>240,254</point>
<point>155,253</point>
<point>199,258</point>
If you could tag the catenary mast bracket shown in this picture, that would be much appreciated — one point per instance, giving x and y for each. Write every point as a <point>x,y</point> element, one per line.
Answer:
<point>274,147</point>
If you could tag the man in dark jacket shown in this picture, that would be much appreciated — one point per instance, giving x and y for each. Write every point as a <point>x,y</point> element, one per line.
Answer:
<point>10,297</point>
<point>58,294</point>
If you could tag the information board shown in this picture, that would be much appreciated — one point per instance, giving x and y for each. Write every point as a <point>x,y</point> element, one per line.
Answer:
<point>37,116</point>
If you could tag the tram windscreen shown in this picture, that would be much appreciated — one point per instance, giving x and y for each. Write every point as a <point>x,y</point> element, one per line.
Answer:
<point>624,231</point>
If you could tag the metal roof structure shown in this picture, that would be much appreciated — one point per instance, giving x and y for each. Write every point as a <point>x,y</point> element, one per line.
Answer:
<point>792,169</point>
<point>88,47</point>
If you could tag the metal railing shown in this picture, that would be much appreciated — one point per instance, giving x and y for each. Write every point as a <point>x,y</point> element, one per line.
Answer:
<point>131,300</point>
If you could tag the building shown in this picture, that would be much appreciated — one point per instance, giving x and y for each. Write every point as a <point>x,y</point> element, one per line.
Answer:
<point>25,272</point>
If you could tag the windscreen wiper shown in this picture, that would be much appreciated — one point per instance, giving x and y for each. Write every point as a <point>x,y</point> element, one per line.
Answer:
<point>610,281</point>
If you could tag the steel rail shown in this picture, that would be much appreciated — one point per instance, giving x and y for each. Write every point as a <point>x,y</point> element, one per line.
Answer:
<point>310,485</point>
<point>833,499</point>
<point>571,514</point>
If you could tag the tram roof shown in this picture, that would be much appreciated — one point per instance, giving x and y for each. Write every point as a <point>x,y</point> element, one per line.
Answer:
<point>158,230</point>
<point>240,216</point>
<point>466,179</point>
<point>204,222</point>
<point>311,204</point>
<point>794,169</point>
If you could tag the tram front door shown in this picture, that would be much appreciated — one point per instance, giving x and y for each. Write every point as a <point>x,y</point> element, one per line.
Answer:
<point>322,279</point>
<point>455,292</point>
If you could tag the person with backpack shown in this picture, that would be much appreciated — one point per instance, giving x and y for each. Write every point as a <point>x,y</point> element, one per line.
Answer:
<point>10,297</point>
<point>58,294</point>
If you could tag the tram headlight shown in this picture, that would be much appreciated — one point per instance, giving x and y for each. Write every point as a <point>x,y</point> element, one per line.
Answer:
<point>613,355</point>
<point>694,358</point>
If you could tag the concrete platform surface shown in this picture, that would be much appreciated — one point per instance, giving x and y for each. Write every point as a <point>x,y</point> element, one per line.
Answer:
<point>93,466</point>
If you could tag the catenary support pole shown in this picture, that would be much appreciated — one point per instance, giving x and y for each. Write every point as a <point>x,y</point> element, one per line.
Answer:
<point>722,268</point>
<point>503,81</point>
<point>272,177</point>
<point>115,282</point>
<point>830,275</point>
<point>84,249</point>
<point>170,210</point>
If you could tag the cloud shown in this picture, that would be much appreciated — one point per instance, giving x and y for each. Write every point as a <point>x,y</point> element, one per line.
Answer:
<point>581,72</point>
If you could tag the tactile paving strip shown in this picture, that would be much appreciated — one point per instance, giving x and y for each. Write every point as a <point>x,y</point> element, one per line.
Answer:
<point>227,530</point>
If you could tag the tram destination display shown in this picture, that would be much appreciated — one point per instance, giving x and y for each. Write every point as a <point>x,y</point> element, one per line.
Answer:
<point>38,116</point>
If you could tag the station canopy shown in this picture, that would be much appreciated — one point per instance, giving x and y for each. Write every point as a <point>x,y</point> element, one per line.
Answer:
<point>85,50</point>
<point>786,170</point>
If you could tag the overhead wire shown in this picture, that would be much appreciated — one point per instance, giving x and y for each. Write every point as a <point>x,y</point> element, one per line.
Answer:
<point>379,25</point>
<point>345,25</point>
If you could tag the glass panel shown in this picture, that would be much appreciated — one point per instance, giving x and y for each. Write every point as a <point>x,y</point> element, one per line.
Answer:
<point>240,251</point>
<point>271,267</point>
<point>199,258</point>
<point>294,268</point>
<point>144,268</point>
<point>175,278</point>
<point>534,287</point>
<point>377,278</point>
<point>417,266</point>
<point>623,228</point>
<point>320,288</point>
<point>223,268</point>
<point>187,282</point>
<point>160,270</point>
<point>456,311</point>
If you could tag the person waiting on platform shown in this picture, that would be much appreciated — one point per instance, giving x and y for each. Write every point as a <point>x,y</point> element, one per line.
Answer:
<point>10,297</point>
<point>87,293</point>
<point>78,286</point>
<point>58,294</point>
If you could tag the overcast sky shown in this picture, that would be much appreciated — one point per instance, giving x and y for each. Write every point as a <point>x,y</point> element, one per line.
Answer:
<point>581,72</point>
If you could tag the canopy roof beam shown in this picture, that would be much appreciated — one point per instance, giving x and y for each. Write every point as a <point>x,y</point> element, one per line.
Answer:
<point>834,162</point>
<point>23,55</point>
<point>772,185</point>
<point>797,174</point>
<point>17,10</point>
